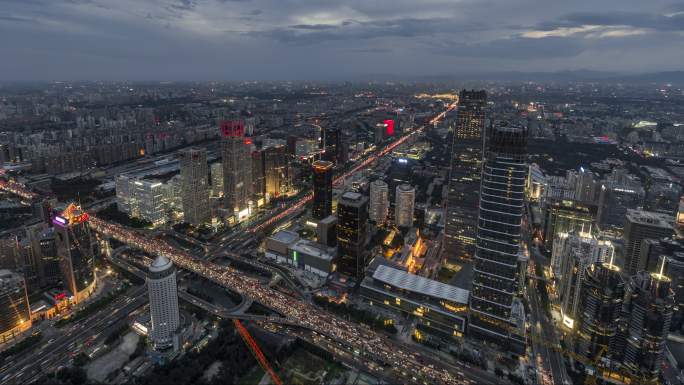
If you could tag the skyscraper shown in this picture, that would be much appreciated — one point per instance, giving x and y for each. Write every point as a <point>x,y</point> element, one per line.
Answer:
<point>566,216</point>
<point>216,171</point>
<point>15,313</point>
<point>404,205</point>
<point>322,189</point>
<point>379,201</point>
<point>237,166</point>
<point>331,144</point>
<point>640,225</point>
<point>163,293</point>
<point>602,293</point>
<point>464,177</point>
<point>498,256</point>
<point>352,232</point>
<point>579,251</point>
<point>645,323</point>
<point>75,251</point>
<point>258,174</point>
<point>195,185</point>
<point>276,172</point>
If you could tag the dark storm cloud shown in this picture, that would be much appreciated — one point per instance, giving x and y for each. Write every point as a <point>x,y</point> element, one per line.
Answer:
<point>16,19</point>
<point>306,34</point>
<point>674,21</point>
<point>198,39</point>
<point>517,48</point>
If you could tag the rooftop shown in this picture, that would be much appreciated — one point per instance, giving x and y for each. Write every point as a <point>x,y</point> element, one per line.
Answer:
<point>351,195</point>
<point>285,236</point>
<point>418,284</point>
<point>311,248</point>
<point>651,218</point>
<point>161,263</point>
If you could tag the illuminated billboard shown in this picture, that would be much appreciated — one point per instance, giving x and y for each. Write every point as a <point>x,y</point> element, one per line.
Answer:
<point>234,128</point>
<point>389,127</point>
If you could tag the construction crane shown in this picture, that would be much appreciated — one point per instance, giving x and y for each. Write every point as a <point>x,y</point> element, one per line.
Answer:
<point>256,352</point>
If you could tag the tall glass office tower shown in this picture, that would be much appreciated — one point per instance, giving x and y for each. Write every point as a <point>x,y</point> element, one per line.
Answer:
<point>464,176</point>
<point>494,310</point>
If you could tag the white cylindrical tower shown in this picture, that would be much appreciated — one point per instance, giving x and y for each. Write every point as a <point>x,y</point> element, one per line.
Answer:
<point>161,284</point>
<point>403,208</point>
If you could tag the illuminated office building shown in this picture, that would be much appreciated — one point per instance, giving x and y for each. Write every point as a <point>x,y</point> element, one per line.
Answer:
<point>276,171</point>
<point>578,252</point>
<point>499,261</point>
<point>464,177</point>
<point>75,251</point>
<point>15,313</point>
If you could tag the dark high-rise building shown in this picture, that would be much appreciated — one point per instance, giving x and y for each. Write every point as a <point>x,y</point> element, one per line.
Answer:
<point>322,189</point>
<point>464,177</point>
<point>352,231</point>
<point>495,311</point>
<point>641,225</point>
<point>672,250</point>
<point>331,143</point>
<point>75,250</point>
<point>194,172</point>
<point>645,323</point>
<point>326,231</point>
<point>602,292</point>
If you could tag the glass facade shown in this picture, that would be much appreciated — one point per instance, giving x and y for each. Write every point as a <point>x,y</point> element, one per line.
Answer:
<point>464,177</point>
<point>322,188</point>
<point>497,266</point>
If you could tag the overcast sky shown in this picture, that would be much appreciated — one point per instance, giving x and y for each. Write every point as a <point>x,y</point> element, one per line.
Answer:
<point>320,39</point>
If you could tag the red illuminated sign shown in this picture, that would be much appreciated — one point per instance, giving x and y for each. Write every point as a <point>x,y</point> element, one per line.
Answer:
<point>232,128</point>
<point>389,127</point>
<point>59,296</point>
<point>248,141</point>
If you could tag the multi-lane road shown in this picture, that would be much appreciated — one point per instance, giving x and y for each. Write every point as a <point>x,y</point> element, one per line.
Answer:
<point>57,352</point>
